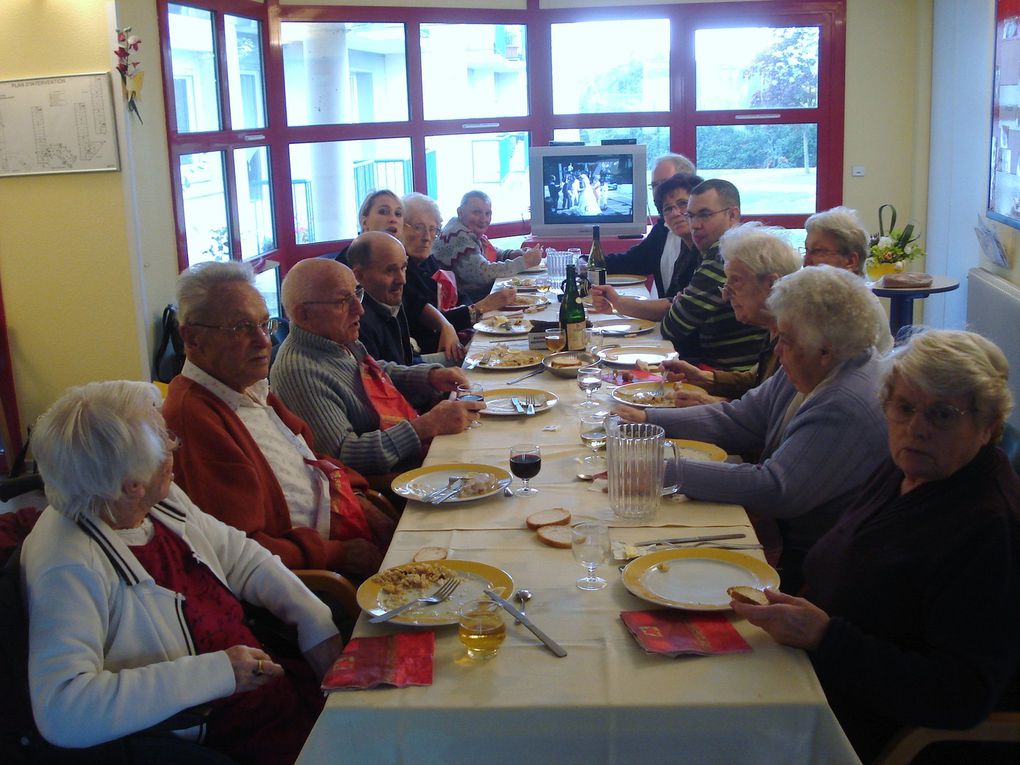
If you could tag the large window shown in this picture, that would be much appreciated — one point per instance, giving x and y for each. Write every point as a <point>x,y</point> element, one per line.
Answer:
<point>283,117</point>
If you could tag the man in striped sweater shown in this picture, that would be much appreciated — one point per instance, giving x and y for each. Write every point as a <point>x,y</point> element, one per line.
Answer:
<point>700,323</point>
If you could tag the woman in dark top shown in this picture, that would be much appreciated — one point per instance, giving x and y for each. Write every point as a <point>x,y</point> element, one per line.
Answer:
<point>912,608</point>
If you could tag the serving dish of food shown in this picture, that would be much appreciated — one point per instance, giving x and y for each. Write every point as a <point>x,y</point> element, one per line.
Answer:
<point>567,363</point>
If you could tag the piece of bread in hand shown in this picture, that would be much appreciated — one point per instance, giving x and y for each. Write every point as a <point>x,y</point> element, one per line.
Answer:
<point>750,595</point>
<point>554,516</point>
<point>430,553</point>
<point>555,536</point>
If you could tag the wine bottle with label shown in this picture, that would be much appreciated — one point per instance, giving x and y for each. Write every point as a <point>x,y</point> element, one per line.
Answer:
<point>596,260</point>
<point>572,318</point>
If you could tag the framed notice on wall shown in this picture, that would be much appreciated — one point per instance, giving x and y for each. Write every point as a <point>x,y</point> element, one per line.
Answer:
<point>63,124</point>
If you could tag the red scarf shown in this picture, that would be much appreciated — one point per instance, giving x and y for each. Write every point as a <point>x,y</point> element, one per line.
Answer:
<point>388,402</point>
<point>346,516</point>
<point>447,289</point>
<point>488,249</point>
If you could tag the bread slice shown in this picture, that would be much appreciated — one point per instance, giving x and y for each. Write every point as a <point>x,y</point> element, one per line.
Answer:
<point>555,536</point>
<point>430,553</point>
<point>554,516</point>
<point>906,280</point>
<point>750,595</point>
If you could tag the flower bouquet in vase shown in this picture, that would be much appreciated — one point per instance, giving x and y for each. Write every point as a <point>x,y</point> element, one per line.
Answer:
<point>889,252</point>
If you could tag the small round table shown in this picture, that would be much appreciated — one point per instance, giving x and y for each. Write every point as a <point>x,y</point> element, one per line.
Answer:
<point>901,310</point>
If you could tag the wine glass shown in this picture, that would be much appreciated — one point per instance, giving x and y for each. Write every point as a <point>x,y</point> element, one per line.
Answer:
<point>542,286</point>
<point>593,339</point>
<point>589,379</point>
<point>590,543</point>
<point>555,340</point>
<point>471,392</point>
<point>525,462</point>
<point>592,428</point>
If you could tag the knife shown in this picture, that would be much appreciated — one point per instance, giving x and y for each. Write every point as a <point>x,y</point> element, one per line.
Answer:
<point>683,540</point>
<point>538,371</point>
<point>517,404</point>
<point>448,492</point>
<point>551,644</point>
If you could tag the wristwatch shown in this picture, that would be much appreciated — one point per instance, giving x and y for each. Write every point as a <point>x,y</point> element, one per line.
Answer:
<point>474,313</point>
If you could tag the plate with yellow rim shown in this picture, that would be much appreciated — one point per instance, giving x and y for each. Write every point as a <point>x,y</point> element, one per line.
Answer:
<point>698,450</point>
<point>645,395</point>
<point>475,579</point>
<point>695,579</point>
<point>623,327</point>
<point>523,302</point>
<point>501,325</point>
<point>499,402</point>
<point>422,482</point>
<point>630,355</point>
<point>624,280</point>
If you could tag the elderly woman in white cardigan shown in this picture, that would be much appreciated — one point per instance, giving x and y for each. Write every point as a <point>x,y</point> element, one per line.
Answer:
<point>134,594</point>
<point>817,424</point>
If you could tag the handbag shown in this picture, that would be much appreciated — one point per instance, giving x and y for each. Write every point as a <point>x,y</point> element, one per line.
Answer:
<point>168,358</point>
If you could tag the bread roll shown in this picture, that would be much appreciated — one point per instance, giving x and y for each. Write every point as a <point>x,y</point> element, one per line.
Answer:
<point>554,516</point>
<point>430,553</point>
<point>555,536</point>
<point>750,595</point>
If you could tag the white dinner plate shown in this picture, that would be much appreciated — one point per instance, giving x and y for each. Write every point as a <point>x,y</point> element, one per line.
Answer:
<point>520,283</point>
<point>622,327</point>
<point>421,482</point>
<point>642,394</point>
<point>499,402</point>
<point>629,355</point>
<point>522,302</point>
<point>502,359</point>
<point>513,327</point>
<point>624,280</point>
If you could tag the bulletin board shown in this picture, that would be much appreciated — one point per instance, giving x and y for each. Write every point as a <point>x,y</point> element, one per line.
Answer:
<point>63,124</point>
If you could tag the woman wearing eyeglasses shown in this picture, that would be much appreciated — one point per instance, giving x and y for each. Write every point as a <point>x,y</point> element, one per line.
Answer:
<point>431,300</point>
<point>912,607</point>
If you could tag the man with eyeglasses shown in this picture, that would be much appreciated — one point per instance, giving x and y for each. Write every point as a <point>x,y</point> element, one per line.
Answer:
<point>247,459</point>
<point>431,301</point>
<point>360,410</point>
<point>701,323</point>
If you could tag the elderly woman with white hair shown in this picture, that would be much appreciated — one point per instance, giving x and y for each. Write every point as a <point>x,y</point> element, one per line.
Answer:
<point>836,238</point>
<point>817,423</point>
<point>912,609</point>
<point>134,594</point>
<point>754,258</point>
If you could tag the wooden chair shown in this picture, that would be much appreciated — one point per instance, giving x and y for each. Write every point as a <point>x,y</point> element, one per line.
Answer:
<point>1000,727</point>
<point>333,589</point>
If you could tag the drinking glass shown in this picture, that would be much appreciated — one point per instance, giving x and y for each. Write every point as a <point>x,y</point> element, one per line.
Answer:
<point>592,427</point>
<point>525,462</point>
<point>589,379</point>
<point>593,339</point>
<point>555,340</point>
<point>542,285</point>
<point>471,392</point>
<point>590,543</point>
<point>481,628</point>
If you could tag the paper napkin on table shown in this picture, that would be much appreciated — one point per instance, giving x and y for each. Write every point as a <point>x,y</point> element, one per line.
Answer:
<point>681,633</point>
<point>402,659</point>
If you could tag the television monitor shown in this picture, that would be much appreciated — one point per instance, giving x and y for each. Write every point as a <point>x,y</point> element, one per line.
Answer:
<point>576,187</point>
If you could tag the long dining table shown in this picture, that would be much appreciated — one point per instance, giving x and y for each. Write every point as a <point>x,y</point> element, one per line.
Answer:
<point>608,701</point>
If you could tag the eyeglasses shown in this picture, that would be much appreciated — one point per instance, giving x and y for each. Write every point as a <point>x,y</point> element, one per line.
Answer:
<point>679,207</point>
<point>344,302</point>
<point>422,230</point>
<point>704,214</point>
<point>266,327</point>
<point>818,251</point>
<point>939,416</point>
<point>654,185</point>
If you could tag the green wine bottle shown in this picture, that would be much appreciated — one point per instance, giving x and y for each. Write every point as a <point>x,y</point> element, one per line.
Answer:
<point>572,319</point>
<point>596,260</point>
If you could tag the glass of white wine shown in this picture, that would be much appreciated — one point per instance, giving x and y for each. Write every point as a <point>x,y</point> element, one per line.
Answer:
<point>592,428</point>
<point>589,379</point>
<point>590,544</point>
<point>481,628</point>
<point>555,340</point>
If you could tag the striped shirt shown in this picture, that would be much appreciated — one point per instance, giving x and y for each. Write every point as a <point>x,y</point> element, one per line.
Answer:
<point>320,381</point>
<point>702,327</point>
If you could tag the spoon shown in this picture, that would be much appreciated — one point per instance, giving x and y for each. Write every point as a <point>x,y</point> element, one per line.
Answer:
<point>523,596</point>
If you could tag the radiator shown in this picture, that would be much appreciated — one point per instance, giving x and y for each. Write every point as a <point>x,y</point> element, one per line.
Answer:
<point>993,310</point>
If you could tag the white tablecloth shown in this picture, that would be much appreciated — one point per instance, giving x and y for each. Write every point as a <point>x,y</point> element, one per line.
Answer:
<point>607,701</point>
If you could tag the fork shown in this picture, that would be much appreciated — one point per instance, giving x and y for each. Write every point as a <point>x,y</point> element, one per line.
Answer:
<point>444,591</point>
<point>529,400</point>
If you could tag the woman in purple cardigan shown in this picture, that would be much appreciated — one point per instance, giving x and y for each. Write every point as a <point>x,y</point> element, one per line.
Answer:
<point>912,608</point>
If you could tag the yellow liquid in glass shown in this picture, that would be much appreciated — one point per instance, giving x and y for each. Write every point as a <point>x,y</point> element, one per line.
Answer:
<point>483,634</point>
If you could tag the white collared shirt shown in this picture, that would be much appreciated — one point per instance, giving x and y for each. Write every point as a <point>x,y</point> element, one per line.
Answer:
<point>670,252</point>
<point>304,486</point>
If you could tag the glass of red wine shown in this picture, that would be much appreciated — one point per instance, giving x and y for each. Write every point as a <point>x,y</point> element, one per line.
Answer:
<point>525,462</point>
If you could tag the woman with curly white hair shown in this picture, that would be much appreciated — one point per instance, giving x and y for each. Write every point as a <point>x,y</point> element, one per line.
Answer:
<point>911,613</point>
<point>754,258</point>
<point>836,238</point>
<point>134,596</point>
<point>817,423</point>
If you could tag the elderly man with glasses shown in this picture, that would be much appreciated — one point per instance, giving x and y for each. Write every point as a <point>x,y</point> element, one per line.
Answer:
<point>360,410</point>
<point>701,323</point>
<point>247,459</point>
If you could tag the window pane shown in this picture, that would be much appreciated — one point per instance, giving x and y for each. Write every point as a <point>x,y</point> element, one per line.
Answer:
<point>205,207</point>
<point>254,201</point>
<point>474,70</point>
<point>267,282</point>
<point>655,138</point>
<point>593,76</point>
<point>244,73</point>
<point>756,68</point>
<point>773,166</point>
<point>496,163</point>
<point>344,73</point>
<point>330,179</point>
<point>192,58</point>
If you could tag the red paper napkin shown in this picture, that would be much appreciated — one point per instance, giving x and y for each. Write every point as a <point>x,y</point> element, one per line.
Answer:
<point>399,660</point>
<point>680,633</point>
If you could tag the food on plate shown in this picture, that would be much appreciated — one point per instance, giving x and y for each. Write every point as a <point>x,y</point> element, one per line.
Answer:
<point>652,396</point>
<point>567,362</point>
<point>399,585</point>
<point>555,536</point>
<point>554,516</point>
<point>430,553</point>
<point>501,356</point>
<point>644,366</point>
<point>749,595</point>
<point>477,484</point>
<point>520,281</point>
<point>500,323</point>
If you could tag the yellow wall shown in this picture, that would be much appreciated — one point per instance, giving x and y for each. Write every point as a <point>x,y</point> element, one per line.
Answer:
<point>64,266</point>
